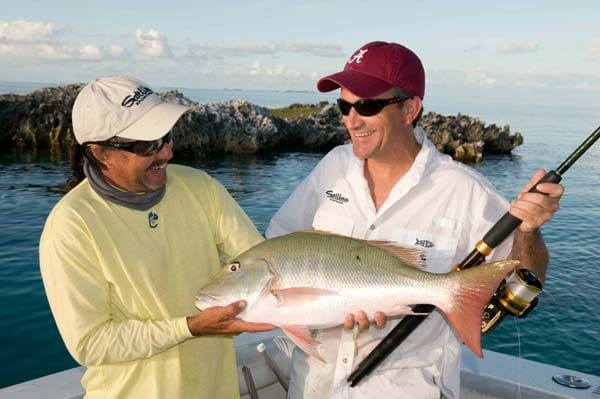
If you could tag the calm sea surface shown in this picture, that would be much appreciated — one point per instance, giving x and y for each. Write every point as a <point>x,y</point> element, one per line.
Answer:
<point>564,330</point>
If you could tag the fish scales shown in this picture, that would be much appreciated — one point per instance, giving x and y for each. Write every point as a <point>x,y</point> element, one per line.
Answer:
<point>323,259</point>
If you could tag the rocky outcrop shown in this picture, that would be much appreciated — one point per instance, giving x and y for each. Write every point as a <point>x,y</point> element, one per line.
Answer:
<point>319,131</point>
<point>239,127</point>
<point>41,121</point>
<point>466,138</point>
<point>232,127</point>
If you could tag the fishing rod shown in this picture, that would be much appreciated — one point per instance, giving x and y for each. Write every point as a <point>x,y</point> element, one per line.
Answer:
<point>517,296</point>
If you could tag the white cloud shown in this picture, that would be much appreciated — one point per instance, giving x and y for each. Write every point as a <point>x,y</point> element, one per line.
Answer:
<point>595,48</point>
<point>116,50</point>
<point>37,40</point>
<point>255,68</point>
<point>196,52</point>
<point>526,80</point>
<point>282,70</point>
<point>47,51</point>
<point>479,78</point>
<point>318,49</point>
<point>277,70</point>
<point>26,31</point>
<point>516,47</point>
<point>472,77</point>
<point>89,52</point>
<point>153,43</point>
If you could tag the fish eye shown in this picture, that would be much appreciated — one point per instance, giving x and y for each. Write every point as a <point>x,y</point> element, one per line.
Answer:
<point>235,266</point>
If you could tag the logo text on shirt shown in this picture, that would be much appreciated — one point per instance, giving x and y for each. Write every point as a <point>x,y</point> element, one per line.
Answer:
<point>423,243</point>
<point>336,197</point>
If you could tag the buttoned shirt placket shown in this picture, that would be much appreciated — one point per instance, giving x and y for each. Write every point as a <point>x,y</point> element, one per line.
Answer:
<point>347,350</point>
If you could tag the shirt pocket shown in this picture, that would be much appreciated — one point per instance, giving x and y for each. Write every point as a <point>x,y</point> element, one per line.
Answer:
<point>439,245</point>
<point>333,223</point>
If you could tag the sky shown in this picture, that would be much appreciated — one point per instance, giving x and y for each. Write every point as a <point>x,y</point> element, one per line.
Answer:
<point>544,50</point>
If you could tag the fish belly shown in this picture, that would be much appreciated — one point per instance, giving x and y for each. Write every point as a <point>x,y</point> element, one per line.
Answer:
<point>330,309</point>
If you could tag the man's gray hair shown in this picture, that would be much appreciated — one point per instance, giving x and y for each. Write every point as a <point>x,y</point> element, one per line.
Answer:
<point>401,93</point>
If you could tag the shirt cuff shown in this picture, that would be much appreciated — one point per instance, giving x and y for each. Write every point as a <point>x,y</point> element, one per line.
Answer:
<point>182,329</point>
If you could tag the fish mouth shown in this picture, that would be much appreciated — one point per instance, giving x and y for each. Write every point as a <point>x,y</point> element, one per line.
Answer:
<point>204,300</point>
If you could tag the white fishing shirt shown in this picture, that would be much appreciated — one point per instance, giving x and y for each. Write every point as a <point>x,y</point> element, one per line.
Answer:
<point>439,206</point>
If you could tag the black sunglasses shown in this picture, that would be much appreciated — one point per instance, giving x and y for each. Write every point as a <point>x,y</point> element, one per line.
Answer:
<point>369,106</point>
<point>141,148</point>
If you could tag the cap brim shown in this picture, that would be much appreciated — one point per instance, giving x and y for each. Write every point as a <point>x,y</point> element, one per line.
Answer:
<point>360,84</point>
<point>155,123</point>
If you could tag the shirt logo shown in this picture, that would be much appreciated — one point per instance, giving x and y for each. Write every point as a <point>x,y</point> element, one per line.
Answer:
<point>423,243</point>
<point>138,96</point>
<point>336,197</point>
<point>357,57</point>
<point>153,220</point>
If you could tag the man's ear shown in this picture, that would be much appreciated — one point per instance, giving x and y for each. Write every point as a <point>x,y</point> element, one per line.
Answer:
<point>413,107</point>
<point>101,154</point>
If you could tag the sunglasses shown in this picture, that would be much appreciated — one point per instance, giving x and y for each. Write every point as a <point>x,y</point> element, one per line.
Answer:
<point>142,148</point>
<point>369,106</point>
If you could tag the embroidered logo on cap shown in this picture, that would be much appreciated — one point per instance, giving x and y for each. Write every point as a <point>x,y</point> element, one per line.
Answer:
<point>358,56</point>
<point>138,96</point>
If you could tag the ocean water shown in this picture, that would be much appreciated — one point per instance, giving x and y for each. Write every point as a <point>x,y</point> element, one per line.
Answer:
<point>564,330</point>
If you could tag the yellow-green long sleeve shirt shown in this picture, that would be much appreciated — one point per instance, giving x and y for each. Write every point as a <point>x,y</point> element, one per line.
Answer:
<point>120,283</point>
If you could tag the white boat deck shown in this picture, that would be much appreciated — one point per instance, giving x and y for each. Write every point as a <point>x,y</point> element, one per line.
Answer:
<point>496,376</point>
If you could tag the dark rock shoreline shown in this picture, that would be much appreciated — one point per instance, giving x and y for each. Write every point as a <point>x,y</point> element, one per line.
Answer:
<point>41,122</point>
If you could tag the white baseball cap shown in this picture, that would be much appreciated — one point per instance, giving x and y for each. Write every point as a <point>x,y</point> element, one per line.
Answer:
<point>124,107</point>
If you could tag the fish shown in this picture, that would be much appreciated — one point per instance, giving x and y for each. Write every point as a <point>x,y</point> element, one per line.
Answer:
<point>311,280</point>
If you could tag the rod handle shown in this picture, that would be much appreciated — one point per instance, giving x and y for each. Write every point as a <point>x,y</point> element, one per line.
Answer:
<point>508,223</point>
<point>402,330</point>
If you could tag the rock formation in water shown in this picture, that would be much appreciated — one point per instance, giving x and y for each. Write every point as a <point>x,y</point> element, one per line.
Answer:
<point>41,121</point>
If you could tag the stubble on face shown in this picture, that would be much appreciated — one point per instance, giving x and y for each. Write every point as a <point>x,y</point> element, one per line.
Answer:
<point>135,174</point>
<point>377,136</point>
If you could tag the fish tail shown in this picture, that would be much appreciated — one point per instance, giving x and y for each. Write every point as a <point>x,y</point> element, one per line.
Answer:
<point>469,293</point>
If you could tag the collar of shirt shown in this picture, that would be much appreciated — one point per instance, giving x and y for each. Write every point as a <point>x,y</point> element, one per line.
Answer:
<point>407,182</point>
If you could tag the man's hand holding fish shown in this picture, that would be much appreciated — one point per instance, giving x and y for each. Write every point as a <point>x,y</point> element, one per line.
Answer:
<point>362,320</point>
<point>222,320</point>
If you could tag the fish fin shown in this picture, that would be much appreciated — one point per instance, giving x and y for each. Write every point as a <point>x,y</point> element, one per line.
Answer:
<point>404,310</point>
<point>410,256</point>
<point>298,296</point>
<point>266,290</point>
<point>315,231</point>
<point>469,294</point>
<point>300,335</point>
<point>273,282</point>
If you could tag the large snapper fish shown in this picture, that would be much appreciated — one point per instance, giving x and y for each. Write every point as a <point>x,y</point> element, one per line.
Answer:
<point>312,280</point>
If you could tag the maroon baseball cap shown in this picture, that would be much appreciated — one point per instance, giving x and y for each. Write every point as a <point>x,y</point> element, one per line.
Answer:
<point>377,67</point>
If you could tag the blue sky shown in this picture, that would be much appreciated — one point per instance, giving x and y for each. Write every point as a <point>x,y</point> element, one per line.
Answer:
<point>533,49</point>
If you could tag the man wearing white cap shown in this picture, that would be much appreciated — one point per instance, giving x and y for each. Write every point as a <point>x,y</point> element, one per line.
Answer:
<point>392,184</point>
<point>124,251</point>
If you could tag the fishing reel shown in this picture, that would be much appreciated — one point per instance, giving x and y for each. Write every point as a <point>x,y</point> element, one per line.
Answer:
<point>516,296</point>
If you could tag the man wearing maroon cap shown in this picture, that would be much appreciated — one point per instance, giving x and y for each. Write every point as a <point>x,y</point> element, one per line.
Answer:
<point>392,184</point>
